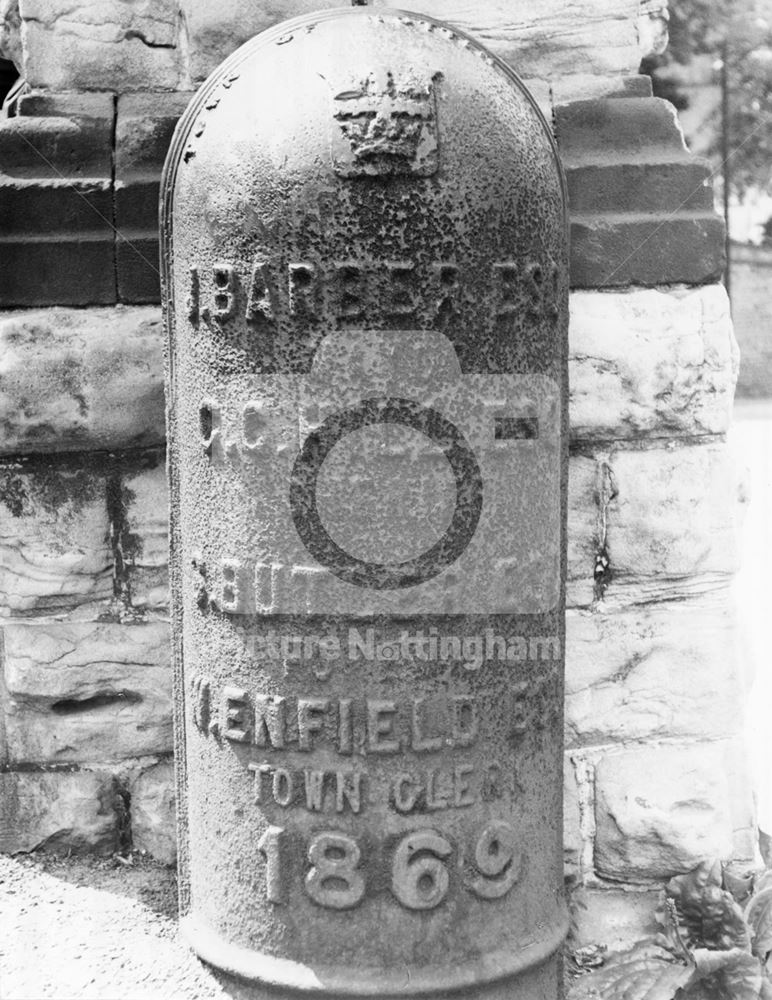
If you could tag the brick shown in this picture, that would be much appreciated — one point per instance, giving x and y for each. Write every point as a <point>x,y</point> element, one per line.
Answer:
<point>661,188</point>
<point>660,810</point>
<point>153,814</point>
<point>58,811</point>
<point>650,363</point>
<point>56,147</point>
<point>614,130</point>
<point>147,529</point>
<point>75,269</point>
<point>81,380</point>
<point>108,45</point>
<point>547,38</point>
<point>73,104</point>
<point>54,550</point>
<point>669,669</point>
<point>86,691</point>
<point>55,207</point>
<point>612,250</point>
<point>137,257</point>
<point>144,127</point>
<point>590,86</point>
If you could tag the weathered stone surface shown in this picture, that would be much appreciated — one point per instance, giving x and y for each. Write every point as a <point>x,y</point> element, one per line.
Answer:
<point>54,548</point>
<point>147,532</point>
<point>590,86</point>
<point>573,843</point>
<point>86,691</point>
<point>153,823</point>
<point>136,256</point>
<point>10,32</point>
<point>664,669</point>
<point>585,487</point>
<point>675,512</point>
<point>660,810</point>
<point>616,130</point>
<point>610,250</point>
<point>56,209</point>
<point>58,811</point>
<point>214,31</point>
<point>81,380</point>
<point>616,918</point>
<point>144,127</point>
<point>651,362</point>
<point>57,269</point>
<point>641,209</point>
<point>105,45</point>
<point>56,147</point>
<point>71,104</point>
<point>547,37</point>
<point>143,130</point>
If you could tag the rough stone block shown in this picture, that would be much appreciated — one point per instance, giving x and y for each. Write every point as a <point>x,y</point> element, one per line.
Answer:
<point>585,485</point>
<point>611,250</point>
<point>547,38</point>
<point>81,380</point>
<point>56,147</point>
<point>669,669</point>
<point>573,843</point>
<point>153,814</point>
<point>147,530</point>
<point>136,257</point>
<point>56,208</point>
<point>143,131</point>
<point>58,811</point>
<point>54,548</point>
<point>86,691</point>
<point>616,918</point>
<point>660,188</point>
<point>651,362</point>
<point>72,104</point>
<point>213,31</point>
<point>105,45</point>
<point>614,130</point>
<point>58,269</point>
<point>660,810</point>
<point>675,512</point>
<point>591,86</point>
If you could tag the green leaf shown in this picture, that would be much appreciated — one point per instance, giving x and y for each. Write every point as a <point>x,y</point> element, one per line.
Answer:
<point>725,975</point>
<point>758,915</point>
<point>708,915</point>
<point>646,972</point>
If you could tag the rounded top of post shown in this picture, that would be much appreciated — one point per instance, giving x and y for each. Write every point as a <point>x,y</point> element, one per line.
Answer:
<point>369,147</point>
<point>363,50</point>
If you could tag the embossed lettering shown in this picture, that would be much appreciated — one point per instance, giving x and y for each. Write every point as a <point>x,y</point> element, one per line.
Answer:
<point>270,718</point>
<point>259,305</point>
<point>380,725</point>
<point>236,714</point>
<point>310,720</point>
<point>419,878</point>
<point>333,880</point>
<point>225,282</point>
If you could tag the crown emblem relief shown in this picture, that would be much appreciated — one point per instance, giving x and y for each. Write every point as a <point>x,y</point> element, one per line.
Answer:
<point>386,126</point>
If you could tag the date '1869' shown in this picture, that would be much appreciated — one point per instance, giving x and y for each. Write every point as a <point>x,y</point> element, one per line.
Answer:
<point>420,876</point>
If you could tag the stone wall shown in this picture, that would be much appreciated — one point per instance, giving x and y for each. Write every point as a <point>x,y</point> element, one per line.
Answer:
<point>655,778</point>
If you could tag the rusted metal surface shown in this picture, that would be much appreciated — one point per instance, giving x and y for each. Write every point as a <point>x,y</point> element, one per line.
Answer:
<point>365,267</point>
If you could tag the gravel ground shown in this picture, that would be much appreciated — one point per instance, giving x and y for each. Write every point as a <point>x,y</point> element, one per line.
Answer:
<point>74,928</point>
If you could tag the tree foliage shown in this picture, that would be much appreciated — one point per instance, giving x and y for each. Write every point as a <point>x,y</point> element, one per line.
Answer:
<point>739,32</point>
